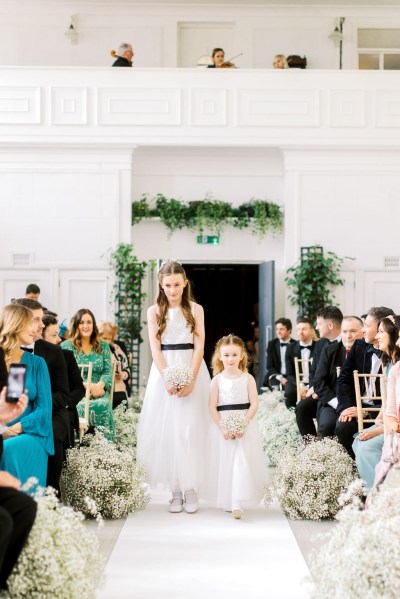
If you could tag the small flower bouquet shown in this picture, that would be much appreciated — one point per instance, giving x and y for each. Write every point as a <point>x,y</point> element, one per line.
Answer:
<point>234,424</point>
<point>61,556</point>
<point>178,375</point>
<point>110,477</point>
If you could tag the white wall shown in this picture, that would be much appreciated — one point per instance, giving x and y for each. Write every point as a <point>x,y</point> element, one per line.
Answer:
<point>32,31</point>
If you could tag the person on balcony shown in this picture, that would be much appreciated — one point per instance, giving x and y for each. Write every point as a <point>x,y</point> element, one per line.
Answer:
<point>124,56</point>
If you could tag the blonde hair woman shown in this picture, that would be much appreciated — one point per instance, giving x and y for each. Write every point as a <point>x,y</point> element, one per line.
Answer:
<point>280,62</point>
<point>28,440</point>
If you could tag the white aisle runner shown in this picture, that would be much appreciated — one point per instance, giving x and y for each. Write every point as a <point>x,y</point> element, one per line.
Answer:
<point>207,555</point>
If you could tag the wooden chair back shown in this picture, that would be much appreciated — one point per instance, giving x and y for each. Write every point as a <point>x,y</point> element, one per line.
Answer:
<point>363,409</point>
<point>84,422</point>
<point>302,370</point>
<point>114,370</point>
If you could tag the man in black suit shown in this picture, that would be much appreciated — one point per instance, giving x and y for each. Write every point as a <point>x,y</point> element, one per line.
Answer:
<point>276,352</point>
<point>57,367</point>
<point>329,321</point>
<point>325,379</point>
<point>364,356</point>
<point>17,510</point>
<point>304,349</point>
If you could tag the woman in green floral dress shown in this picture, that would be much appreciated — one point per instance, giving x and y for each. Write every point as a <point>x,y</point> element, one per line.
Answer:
<point>88,348</point>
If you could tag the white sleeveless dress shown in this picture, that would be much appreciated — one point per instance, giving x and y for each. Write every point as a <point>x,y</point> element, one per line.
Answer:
<point>237,473</point>
<point>172,429</point>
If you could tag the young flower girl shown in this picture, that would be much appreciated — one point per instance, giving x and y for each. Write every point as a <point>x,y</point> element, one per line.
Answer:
<point>237,469</point>
<point>171,430</point>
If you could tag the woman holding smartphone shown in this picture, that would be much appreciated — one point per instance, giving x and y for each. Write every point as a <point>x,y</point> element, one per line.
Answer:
<point>28,440</point>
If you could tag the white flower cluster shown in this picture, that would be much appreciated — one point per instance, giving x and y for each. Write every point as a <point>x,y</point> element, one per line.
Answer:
<point>308,482</point>
<point>126,420</point>
<point>178,375</point>
<point>359,558</point>
<point>234,423</point>
<point>108,476</point>
<point>278,428</point>
<point>60,558</point>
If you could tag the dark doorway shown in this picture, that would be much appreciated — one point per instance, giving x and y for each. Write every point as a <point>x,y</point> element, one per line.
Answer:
<point>229,295</point>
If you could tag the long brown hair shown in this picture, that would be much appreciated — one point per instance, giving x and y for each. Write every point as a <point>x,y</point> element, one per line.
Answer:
<point>74,333</point>
<point>171,267</point>
<point>216,362</point>
<point>14,319</point>
<point>391,325</point>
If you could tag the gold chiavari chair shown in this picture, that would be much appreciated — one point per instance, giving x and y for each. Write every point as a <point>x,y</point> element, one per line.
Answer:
<point>84,421</point>
<point>363,409</point>
<point>302,370</point>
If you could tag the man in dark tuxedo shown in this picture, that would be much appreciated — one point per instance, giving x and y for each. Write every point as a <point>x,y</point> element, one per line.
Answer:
<point>57,367</point>
<point>329,321</point>
<point>364,356</point>
<point>304,349</point>
<point>325,379</point>
<point>17,510</point>
<point>276,352</point>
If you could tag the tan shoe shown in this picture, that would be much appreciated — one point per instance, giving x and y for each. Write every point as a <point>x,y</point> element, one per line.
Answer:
<point>237,514</point>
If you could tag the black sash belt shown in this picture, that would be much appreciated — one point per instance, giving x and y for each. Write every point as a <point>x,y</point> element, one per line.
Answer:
<point>177,346</point>
<point>234,406</point>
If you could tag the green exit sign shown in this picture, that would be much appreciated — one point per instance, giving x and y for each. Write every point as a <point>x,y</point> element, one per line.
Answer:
<point>208,239</point>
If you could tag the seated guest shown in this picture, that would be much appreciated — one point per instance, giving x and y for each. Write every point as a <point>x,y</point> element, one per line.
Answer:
<point>88,348</point>
<point>303,349</point>
<point>17,510</point>
<point>119,342</point>
<point>329,321</point>
<point>32,292</point>
<point>280,62</point>
<point>75,382</point>
<point>28,440</point>
<point>122,371</point>
<point>276,352</point>
<point>368,445</point>
<point>124,56</point>
<point>59,390</point>
<point>365,357</point>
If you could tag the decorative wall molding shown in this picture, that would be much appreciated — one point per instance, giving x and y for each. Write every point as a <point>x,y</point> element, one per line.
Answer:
<point>278,108</point>
<point>68,106</point>
<point>20,105</point>
<point>144,107</point>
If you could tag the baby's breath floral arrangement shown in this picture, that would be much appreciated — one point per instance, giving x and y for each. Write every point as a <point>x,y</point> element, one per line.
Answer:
<point>178,375</point>
<point>359,558</point>
<point>61,556</point>
<point>234,423</point>
<point>108,476</point>
<point>308,482</point>
<point>126,420</point>
<point>279,430</point>
<point>270,399</point>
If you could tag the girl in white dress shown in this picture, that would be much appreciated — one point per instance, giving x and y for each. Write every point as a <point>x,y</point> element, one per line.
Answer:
<point>171,429</point>
<point>237,469</point>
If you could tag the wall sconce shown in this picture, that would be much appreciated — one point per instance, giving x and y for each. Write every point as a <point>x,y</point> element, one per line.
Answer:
<point>72,33</point>
<point>338,37</point>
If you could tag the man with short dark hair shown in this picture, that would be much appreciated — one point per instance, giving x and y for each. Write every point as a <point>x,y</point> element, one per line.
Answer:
<point>32,292</point>
<point>364,356</point>
<point>276,352</point>
<point>303,349</point>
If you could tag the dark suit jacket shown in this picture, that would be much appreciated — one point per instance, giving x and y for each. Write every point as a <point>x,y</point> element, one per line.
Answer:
<point>274,365</point>
<point>57,367</point>
<point>76,388</point>
<point>359,358</point>
<point>294,351</point>
<point>325,377</point>
<point>121,62</point>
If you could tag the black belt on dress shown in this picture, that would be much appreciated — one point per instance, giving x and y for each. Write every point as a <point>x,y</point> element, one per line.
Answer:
<point>234,406</point>
<point>177,346</point>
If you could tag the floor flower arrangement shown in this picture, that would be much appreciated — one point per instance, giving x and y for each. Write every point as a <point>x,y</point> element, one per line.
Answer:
<point>108,476</point>
<point>126,420</point>
<point>308,481</point>
<point>61,557</point>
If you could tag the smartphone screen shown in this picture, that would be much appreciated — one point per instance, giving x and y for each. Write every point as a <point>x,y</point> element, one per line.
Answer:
<point>16,382</point>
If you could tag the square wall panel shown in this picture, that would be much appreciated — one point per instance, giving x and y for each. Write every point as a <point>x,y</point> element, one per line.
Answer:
<point>68,106</point>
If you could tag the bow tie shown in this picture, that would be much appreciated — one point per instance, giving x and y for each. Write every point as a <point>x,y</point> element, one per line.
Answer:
<point>28,349</point>
<point>283,344</point>
<point>373,350</point>
<point>305,346</point>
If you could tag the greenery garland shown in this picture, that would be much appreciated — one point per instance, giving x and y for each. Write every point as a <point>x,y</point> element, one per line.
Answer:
<point>210,216</point>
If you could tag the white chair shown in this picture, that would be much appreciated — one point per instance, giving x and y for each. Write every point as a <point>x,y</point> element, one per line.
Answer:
<point>364,410</point>
<point>84,422</point>
<point>302,370</point>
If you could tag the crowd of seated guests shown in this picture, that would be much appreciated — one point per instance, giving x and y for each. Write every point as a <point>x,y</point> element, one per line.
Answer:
<point>325,406</point>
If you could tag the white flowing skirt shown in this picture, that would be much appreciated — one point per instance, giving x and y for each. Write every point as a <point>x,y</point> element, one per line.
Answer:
<point>172,430</point>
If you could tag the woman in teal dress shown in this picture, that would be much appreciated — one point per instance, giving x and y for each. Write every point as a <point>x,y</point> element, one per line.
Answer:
<point>28,440</point>
<point>88,348</point>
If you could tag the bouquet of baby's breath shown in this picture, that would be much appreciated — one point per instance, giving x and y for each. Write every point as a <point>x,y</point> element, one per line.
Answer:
<point>178,375</point>
<point>359,558</point>
<point>61,556</point>
<point>108,476</point>
<point>126,420</point>
<point>270,399</point>
<point>308,482</point>
<point>234,423</point>
<point>279,430</point>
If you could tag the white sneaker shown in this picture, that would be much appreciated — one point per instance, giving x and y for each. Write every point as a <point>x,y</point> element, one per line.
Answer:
<point>175,504</point>
<point>191,502</point>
